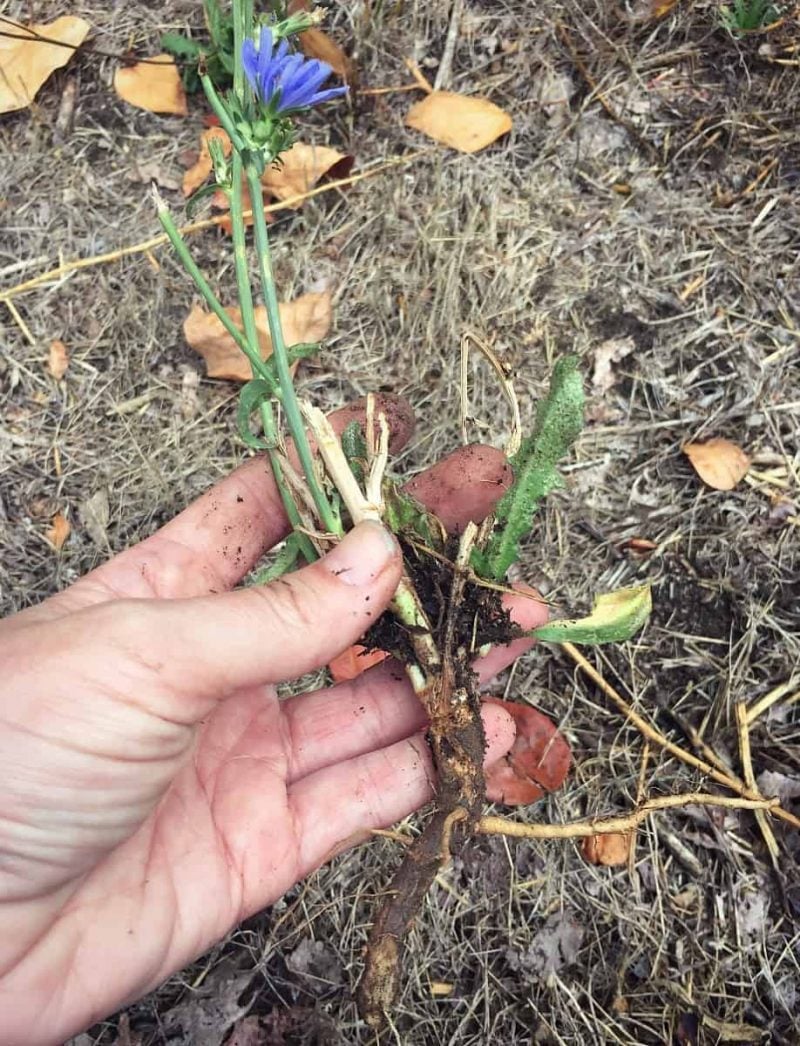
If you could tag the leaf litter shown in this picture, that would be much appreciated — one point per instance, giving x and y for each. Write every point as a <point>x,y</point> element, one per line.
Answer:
<point>154,85</point>
<point>27,63</point>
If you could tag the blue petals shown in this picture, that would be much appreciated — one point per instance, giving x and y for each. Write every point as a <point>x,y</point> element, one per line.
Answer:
<point>285,82</point>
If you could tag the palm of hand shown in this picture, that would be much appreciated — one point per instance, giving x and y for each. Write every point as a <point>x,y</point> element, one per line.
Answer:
<point>160,790</point>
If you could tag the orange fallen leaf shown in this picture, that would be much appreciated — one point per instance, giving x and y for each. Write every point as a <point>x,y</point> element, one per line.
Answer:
<point>353,661</point>
<point>316,44</point>
<point>57,359</point>
<point>301,168</point>
<point>26,62</point>
<point>305,319</point>
<point>608,849</point>
<point>203,166</point>
<point>154,85</point>
<point>58,531</point>
<point>718,462</point>
<point>538,762</point>
<point>463,122</point>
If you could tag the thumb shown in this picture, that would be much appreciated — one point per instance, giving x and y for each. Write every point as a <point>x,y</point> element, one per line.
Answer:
<point>213,645</point>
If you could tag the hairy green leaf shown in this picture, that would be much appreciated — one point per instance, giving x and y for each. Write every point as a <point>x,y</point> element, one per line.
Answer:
<point>354,447</point>
<point>252,395</point>
<point>615,616</point>
<point>283,563</point>
<point>180,46</point>
<point>405,515</point>
<point>559,420</point>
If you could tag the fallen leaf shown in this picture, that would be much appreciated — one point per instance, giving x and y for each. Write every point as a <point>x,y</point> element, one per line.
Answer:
<point>353,661</point>
<point>301,168</point>
<point>611,351</point>
<point>463,122</point>
<point>154,85</point>
<point>608,849</point>
<point>538,762</point>
<point>58,532</point>
<point>148,171</point>
<point>249,1032</point>
<point>203,166</point>
<point>316,44</point>
<point>25,64</point>
<point>94,514</point>
<point>57,359</point>
<point>718,462</point>
<point>306,319</point>
<point>555,945</point>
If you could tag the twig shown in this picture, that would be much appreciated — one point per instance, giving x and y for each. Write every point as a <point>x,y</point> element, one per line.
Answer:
<point>768,700</point>
<point>23,326</point>
<point>418,75</point>
<point>746,758</point>
<point>446,64</point>
<point>655,735</point>
<point>198,226</point>
<point>506,387</point>
<point>623,823</point>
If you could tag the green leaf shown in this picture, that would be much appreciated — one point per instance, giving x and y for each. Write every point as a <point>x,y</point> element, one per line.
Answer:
<point>615,616</point>
<point>180,46</point>
<point>559,420</point>
<point>354,447</point>
<point>197,198</point>
<point>405,515</point>
<point>283,563</point>
<point>253,394</point>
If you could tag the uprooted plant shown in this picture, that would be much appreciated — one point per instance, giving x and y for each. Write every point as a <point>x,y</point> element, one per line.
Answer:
<point>447,608</point>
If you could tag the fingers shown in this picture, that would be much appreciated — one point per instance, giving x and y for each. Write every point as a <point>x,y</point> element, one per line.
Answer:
<point>212,544</point>
<point>336,807</point>
<point>379,708</point>
<point>465,486</point>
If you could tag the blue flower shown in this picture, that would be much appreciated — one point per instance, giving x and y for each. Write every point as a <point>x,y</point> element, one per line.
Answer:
<point>285,82</point>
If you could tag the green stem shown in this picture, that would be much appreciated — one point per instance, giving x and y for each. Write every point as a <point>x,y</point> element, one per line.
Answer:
<point>222,113</point>
<point>294,420</point>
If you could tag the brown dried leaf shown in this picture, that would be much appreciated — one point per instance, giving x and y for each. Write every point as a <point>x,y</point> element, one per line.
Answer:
<point>608,352</point>
<point>718,462</point>
<point>609,850</point>
<point>203,166</point>
<point>58,531</point>
<point>301,168</point>
<point>306,319</point>
<point>57,359</point>
<point>154,85</point>
<point>316,44</point>
<point>27,63</point>
<point>463,122</point>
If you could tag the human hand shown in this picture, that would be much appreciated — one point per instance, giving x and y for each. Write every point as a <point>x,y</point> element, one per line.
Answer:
<point>155,792</point>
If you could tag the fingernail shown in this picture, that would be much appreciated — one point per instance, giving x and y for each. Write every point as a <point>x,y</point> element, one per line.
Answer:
<point>362,554</point>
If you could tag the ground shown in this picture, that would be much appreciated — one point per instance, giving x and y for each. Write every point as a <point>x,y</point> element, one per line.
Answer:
<point>648,192</point>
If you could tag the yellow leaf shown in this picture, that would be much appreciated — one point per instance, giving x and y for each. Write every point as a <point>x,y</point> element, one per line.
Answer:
<point>316,44</point>
<point>615,617</point>
<point>300,169</point>
<point>26,63</point>
<point>203,166</point>
<point>608,849</point>
<point>57,359</point>
<point>463,122</point>
<point>719,463</point>
<point>58,532</point>
<point>154,85</point>
<point>306,319</point>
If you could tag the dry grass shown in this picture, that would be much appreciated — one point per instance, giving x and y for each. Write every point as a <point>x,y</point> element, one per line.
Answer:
<point>635,198</point>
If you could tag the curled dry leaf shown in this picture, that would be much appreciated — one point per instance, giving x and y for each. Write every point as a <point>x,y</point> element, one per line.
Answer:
<point>719,463</point>
<point>203,166</point>
<point>57,359</point>
<point>26,63</point>
<point>301,168</point>
<point>538,762</point>
<point>58,531</point>
<point>353,661</point>
<point>306,319</point>
<point>154,85</point>
<point>463,122</point>
<point>610,849</point>
<point>608,352</point>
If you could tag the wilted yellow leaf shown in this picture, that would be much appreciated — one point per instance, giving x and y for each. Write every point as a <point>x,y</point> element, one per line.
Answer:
<point>300,169</point>
<point>57,359</point>
<point>58,532</point>
<point>615,617</point>
<point>26,63</point>
<point>609,849</point>
<point>463,122</point>
<point>154,85</point>
<point>203,166</point>
<point>306,319</point>
<point>719,463</point>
